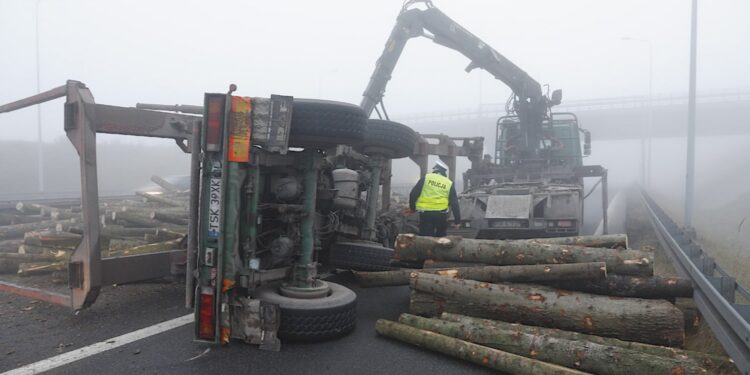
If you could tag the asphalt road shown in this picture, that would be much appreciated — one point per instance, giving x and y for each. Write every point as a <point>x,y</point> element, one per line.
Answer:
<point>30,332</point>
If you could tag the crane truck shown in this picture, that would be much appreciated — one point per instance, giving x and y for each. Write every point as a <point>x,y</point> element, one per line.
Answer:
<point>533,186</point>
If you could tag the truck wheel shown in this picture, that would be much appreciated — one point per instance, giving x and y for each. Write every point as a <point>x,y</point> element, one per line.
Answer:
<point>388,138</point>
<point>314,319</point>
<point>321,123</point>
<point>360,256</point>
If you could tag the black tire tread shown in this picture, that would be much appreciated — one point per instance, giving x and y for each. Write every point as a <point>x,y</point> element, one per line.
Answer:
<point>394,139</point>
<point>322,324</point>
<point>324,123</point>
<point>362,258</point>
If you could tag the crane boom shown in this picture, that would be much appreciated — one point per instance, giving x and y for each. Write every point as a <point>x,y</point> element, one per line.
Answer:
<point>531,105</point>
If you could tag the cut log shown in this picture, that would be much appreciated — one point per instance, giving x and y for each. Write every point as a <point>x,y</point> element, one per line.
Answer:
<point>164,234</point>
<point>431,263</point>
<point>13,219</point>
<point>577,354</point>
<point>169,217</point>
<point>52,239</point>
<point>33,249</point>
<point>31,269</point>
<point>632,286</point>
<point>133,219</point>
<point>715,364</point>
<point>9,262</point>
<point>65,214</point>
<point>525,273</point>
<point>632,319</point>
<point>29,208</point>
<point>410,247</point>
<point>18,230</point>
<point>612,241</point>
<point>158,198</point>
<point>9,246</point>
<point>692,318</point>
<point>153,247</point>
<point>480,355</point>
<point>119,232</point>
<point>8,265</point>
<point>47,257</point>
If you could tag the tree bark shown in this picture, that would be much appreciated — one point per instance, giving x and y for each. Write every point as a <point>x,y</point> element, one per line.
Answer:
<point>30,269</point>
<point>652,287</point>
<point>612,241</point>
<point>153,247</point>
<point>525,273</point>
<point>715,364</point>
<point>577,354</point>
<point>18,230</point>
<point>169,217</point>
<point>649,321</point>
<point>431,263</point>
<point>480,355</point>
<point>35,209</point>
<point>52,239</point>
<point>500,252</point>
<point>120,232</point>
<point>34,249</point>
<point>64,214</point>
<point>9,262</point>
<point>8,246</point>
<point>164,234</point>
<point>133,219</point>
<point>13,219</point>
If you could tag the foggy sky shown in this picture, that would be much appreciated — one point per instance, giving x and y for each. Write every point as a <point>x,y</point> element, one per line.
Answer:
<point>173,51</point>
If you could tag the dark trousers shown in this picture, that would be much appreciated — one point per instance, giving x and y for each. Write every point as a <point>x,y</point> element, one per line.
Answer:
<point>433,223</point>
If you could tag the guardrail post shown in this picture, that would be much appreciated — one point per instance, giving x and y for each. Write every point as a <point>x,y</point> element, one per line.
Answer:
<point>707,266</point>
<point>744,311</point>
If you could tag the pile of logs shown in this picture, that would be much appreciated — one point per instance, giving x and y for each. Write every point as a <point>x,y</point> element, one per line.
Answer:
<point>553,306</point>
<point>39,239</point>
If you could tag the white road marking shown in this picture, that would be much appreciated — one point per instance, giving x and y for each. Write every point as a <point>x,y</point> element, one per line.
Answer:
<point>100,347</point>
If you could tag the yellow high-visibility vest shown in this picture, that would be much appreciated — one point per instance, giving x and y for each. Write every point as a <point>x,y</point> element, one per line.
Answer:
<point>435,192</point>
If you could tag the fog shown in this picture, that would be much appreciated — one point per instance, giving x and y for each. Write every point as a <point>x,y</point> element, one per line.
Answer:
<point>172,52</point>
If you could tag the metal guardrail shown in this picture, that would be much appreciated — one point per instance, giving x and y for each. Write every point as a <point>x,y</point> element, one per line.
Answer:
<point>714,289</point>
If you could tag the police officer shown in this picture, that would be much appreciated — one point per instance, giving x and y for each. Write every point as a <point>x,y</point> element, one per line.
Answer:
<point>431,197</point>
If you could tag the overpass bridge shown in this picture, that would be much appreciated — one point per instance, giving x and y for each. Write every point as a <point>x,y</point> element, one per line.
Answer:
<point>724,113</point>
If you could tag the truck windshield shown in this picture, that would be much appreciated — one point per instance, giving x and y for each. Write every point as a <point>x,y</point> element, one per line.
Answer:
<point>560,142</point>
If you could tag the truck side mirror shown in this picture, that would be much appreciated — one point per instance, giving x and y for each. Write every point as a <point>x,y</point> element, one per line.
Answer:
<point>556,97</point>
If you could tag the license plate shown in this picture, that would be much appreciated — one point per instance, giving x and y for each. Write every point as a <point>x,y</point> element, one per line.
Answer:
<point>214,208</point>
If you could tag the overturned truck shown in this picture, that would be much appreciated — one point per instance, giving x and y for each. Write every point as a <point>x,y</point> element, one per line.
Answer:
<point>276,184</point>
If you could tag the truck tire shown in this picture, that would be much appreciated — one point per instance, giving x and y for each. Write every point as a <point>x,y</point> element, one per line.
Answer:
<point>313,319</point>
<point>360,256</point>
<point>388,138</point>
<point>323,123</point>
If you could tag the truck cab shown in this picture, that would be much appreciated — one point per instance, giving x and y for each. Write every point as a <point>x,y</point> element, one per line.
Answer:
<point>524,195</point>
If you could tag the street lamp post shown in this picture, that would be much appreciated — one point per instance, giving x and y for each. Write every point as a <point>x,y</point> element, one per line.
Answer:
<point>39,144</point>
<point>646,148</point>
<point>690,168</point>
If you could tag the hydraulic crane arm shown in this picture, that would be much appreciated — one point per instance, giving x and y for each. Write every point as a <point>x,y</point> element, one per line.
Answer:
<point>531,105</point>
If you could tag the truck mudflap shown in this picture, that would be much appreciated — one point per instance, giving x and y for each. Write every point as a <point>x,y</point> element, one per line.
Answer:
<point>256,322</point>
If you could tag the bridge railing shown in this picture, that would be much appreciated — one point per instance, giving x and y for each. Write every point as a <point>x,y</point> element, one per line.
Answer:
<point>494,110</point>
